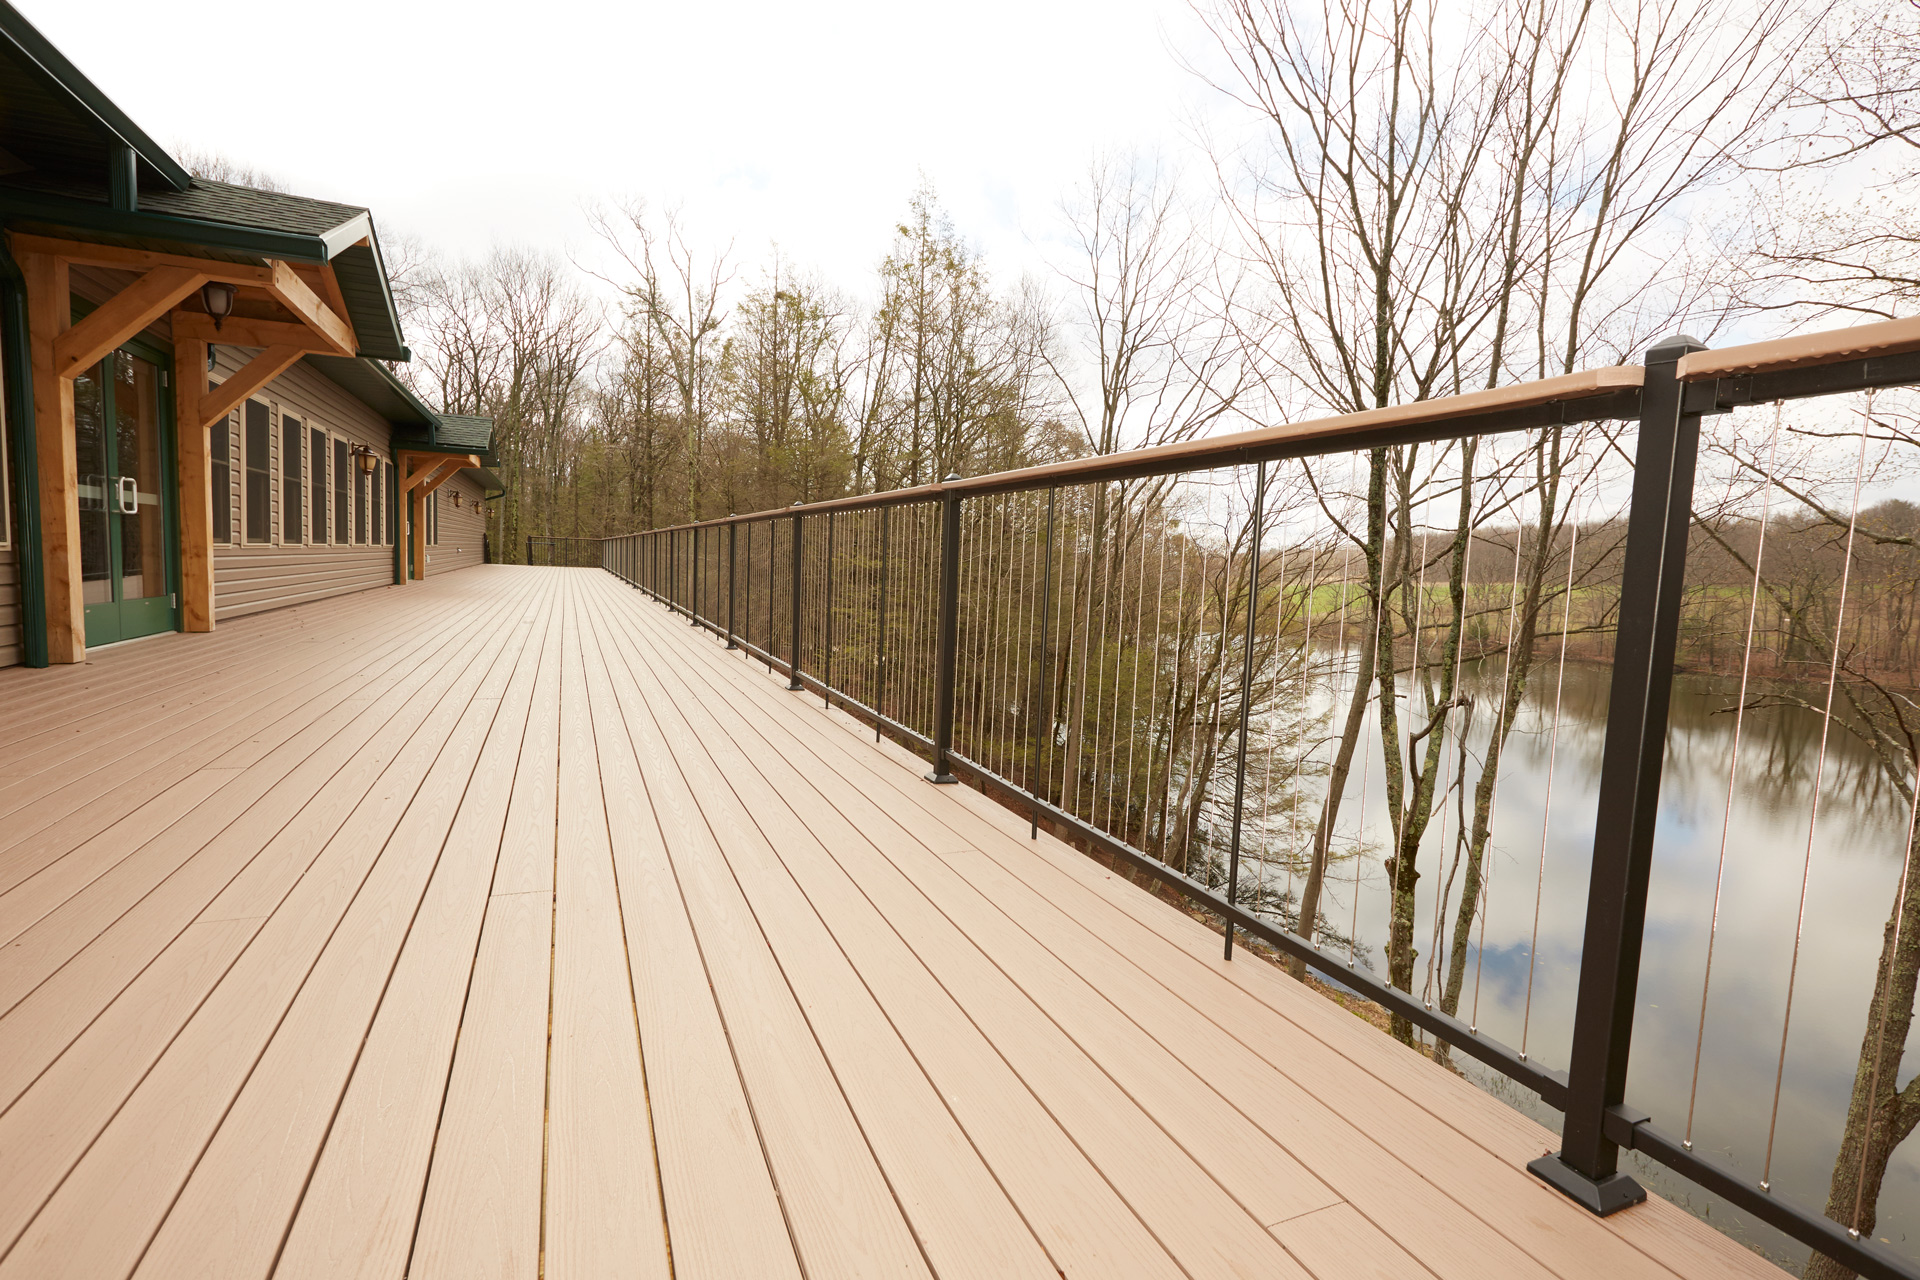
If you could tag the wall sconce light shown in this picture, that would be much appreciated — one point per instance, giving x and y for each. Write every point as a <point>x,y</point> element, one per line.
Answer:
<point>366,458</point>
<point>456,497</point>
<point>217,297</point>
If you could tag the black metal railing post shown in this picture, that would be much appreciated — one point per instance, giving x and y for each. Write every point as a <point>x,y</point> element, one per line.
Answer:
<point>1043,674</point>
<point>880,644</point>
<point>826,622</point>
<point>529,549</point>
<point>733,577</point>
<point>1586,1166</point>
<point>949,654</point>
<point>793,669</point>
<point>1246,693</point>
<point>693,613</point>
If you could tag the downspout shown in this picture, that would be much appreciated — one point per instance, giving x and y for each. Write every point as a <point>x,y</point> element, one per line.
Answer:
<point>395,521</point>
<point>16,359</point>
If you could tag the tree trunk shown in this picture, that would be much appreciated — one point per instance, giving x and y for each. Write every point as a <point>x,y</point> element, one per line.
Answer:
<point>1894,1112</point>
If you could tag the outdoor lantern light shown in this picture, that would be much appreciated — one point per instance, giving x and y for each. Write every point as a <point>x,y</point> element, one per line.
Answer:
<point>365,457</point>
<point>456,497</point>
<point>217,297</point>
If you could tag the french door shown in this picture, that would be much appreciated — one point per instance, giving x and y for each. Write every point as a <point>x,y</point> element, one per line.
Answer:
<point>124,448</point>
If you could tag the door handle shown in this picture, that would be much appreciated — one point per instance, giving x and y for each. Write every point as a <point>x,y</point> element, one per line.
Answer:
<point>129,494</point>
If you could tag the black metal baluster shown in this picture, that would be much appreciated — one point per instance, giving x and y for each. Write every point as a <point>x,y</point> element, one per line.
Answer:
<point>1246,692</point>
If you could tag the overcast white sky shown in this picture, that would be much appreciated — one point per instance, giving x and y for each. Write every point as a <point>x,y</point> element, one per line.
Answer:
<point>810,124</point>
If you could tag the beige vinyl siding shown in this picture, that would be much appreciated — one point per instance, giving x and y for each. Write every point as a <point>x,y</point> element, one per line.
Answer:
<point>461,527</point>
<point>249,578</point>
<point>10,652</point>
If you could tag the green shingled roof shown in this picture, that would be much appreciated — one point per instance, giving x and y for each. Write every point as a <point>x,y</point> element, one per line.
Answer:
<point>59,139</point>
<point>461,431</point>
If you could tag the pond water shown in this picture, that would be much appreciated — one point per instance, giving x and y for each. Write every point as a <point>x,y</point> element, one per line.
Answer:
<point>1851,881</point>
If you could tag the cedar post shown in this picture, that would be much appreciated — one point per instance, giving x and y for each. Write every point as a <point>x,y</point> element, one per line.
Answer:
<point>195,486</point>
<point>50,313</point>
<point>417,512</point>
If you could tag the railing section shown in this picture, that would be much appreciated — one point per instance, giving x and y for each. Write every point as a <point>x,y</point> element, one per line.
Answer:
<point>1315,680</point>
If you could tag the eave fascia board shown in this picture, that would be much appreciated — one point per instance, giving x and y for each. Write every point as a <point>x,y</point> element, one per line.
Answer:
<point>349,233</point>
<point>110,119</point>
<point>18,205</point>
<point>386,289</point>
<point>406,393</point>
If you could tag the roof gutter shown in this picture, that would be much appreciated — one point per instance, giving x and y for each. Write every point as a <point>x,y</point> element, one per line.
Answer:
<point>32,206</point>
<point>16,359</point>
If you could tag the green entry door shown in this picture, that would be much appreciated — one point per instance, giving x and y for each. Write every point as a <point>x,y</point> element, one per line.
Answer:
<point>126,510</point>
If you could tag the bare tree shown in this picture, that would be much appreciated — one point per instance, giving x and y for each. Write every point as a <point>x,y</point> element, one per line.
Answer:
<point>1428,211</point>
<point>678,291</point>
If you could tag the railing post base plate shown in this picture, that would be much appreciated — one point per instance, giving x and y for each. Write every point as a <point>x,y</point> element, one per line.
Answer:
<point>1609,1195</point>
<point>941,779</point>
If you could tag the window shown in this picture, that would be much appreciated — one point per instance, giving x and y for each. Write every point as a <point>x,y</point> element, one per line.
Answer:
<point>291,526</point>
<point>359,504</point>
<point>258,447</point>
<point>342,460</point>
<point>317,493</point>
<point>433,518</point>
<point>379,500</point>
<point>221,439</point>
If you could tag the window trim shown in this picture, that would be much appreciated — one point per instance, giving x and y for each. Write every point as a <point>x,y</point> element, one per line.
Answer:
<point>299,524</point>
<point>224,494</point>
<point>246,475</point>
<point>342,496</point>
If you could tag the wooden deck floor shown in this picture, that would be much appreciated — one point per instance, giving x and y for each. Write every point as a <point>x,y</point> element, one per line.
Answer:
<point>503,923</point>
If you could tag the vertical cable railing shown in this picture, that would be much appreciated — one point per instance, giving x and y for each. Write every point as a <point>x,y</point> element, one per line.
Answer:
<point>1180,659</point>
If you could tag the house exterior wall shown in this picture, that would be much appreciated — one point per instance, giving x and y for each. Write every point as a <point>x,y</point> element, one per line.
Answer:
<point>461,528</point>
<point>290,567</point>
<point>10,650</point>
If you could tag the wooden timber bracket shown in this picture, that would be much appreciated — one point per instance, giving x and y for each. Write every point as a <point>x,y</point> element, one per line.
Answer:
<point>166,280</point>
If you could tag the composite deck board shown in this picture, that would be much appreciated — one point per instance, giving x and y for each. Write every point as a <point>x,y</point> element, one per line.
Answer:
<point>66,968</point>
<point>1390,1184</point>
<point>1177,1198</point>
<point>297,894</point>
<point>504,925</point>
<point>960,1216</point>
<point>707,1142</point>
<point>87,806</point>
<point>148,798</point>
<point>603,1217</point>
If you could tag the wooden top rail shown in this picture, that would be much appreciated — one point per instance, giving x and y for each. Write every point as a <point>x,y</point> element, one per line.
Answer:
<point>1477,412</point>
<point>1589,395</point>
<point>1885,338</point>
